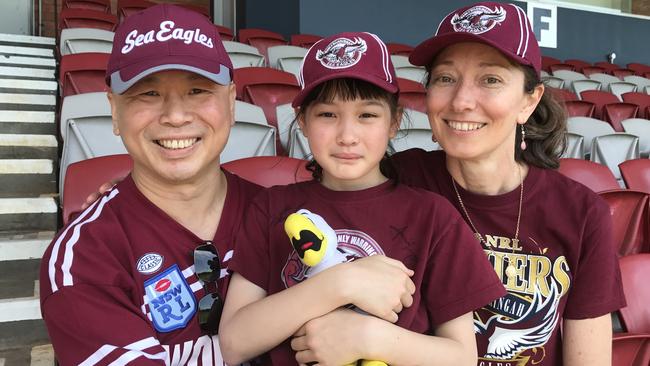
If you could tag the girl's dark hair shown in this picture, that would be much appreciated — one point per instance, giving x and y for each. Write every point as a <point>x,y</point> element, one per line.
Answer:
<point>349,89</point>
<point>545,129</point>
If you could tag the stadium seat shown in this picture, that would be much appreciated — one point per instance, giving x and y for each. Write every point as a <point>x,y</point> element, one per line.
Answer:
<point>579,108</point>
<point>261,39</point>
<point>604,79</point>
<point>82,40</point>
<point>621,87</point>
<point>128,7</point>
<point>269,171</point>
<point>304,40</point>
<point>640,99</point>
<point>412,95</point>
<point>563,94</point>
<point>636,174</point>
<point>578,65</point>
<point>638,68</point>
<point>399,49</point>
<point>607,66</point>
<point>83,73</point>
<point>561,66</point>
<point>630,220</point>
<point>640,128</point>
<point>588,128</point>
<point>639,81</point>
<point>631,349</point>
<point>404,69</point>
<point>611,150</point>
<point>414,131</point>
<point>635,272</point>
<point>95,5</point>
<point>589,70</point>
<point>547,61</point>
<point>569,77</point>
<point>250,136</point>
<point>265,87</point>
<point>614,113</point>
<point>82,18</point>
<point>225,33</point>
<point>579,86</point>
<point>243,55</point>
<point>84,178</point>
<point>621,73</point>
<point>574,146</point>
<point>86,130</point>
<point>599,98</point>
<point>287,58</point>
<point>596,177</point>
<point>286,116</point>
<point>298,144</point>
<point>553,82</point>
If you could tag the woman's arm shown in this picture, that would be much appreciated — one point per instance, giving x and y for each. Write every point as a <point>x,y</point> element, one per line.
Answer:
<point>253,323</point>
<point>587,341</point>
<point>344,336</point>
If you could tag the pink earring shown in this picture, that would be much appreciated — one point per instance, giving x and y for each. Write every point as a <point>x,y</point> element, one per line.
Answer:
<point>523,138</point>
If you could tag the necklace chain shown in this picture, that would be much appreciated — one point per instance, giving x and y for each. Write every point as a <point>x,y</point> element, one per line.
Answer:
<point>480,237</point>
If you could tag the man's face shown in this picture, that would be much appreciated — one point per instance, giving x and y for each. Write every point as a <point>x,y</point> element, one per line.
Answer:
<point>174,125</point>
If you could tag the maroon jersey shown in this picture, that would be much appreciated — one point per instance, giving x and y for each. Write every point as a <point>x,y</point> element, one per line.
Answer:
<point>566,266</point>
<point>417,227</point>
<point>118,282</point>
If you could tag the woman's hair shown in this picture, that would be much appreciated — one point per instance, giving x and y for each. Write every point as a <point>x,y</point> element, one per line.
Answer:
<point>349,89</point>
<point>545,128</point>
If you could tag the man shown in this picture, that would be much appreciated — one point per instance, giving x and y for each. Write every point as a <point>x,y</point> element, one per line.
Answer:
<point>133,278</point>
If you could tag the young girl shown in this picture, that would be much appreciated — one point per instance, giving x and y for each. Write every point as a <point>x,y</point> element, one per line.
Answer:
<point>420,267</point>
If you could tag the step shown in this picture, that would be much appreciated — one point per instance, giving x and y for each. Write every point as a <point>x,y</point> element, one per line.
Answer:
<point>35,41</point>
<point>27,51</point>
<point>23,215</point>
<point>19,335</point>
<point>30,102</point>
<point>39,62</point>
<point>29,72</point>
<point>18,289</point>
<point>23,249</point>
<point>22,86</point>
<point>17,146</point>
<point>27,122</point>
<point>28,177</point>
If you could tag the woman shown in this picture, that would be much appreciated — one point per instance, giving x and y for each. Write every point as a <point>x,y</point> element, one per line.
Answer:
<point>547,237</point>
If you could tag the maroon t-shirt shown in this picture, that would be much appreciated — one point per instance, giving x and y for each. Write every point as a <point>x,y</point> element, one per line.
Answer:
<point>417,227</point>
<point>566,266</point>
<point>118,282</point>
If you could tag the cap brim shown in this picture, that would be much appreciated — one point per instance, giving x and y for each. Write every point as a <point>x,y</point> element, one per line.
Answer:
<point>119,85</point>
<point>425,52</point>
<point>391,88</point>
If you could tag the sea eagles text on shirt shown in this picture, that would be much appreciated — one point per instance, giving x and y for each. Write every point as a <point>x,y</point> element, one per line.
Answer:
<point>165,33</point>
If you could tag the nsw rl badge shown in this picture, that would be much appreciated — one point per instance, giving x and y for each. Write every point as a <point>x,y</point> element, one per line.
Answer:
<point>171,301</point>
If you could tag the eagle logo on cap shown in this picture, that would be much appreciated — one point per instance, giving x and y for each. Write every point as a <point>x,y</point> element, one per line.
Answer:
<point>342,53</point>
<point>478,19</point>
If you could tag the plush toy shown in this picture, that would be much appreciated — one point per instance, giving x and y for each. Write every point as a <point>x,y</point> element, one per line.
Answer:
<point>317,247</point>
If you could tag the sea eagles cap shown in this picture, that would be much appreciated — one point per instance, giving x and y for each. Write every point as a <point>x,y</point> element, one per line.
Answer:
<point>357,55</point>
<point>166,37</point>
<point>502,26</point>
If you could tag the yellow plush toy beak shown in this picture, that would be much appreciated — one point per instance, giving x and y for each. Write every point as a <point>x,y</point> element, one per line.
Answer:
<point>309,242</point>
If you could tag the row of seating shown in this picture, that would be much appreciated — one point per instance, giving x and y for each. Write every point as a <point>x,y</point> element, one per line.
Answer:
<point>551,64</point>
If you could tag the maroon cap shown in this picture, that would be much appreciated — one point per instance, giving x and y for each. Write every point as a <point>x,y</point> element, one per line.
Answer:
<point>357,55</point>
<point>502,26</point>
<point>166,37</point>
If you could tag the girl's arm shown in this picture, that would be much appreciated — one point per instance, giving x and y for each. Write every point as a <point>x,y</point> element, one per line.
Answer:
<point>587,341</point>
<point>253,323</point>
<point>343,336</point>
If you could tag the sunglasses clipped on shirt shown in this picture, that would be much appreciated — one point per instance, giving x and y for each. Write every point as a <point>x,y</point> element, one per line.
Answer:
<point>207,267</point>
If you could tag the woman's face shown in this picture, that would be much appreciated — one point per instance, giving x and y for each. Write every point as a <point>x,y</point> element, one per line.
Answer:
<point>475,101</point>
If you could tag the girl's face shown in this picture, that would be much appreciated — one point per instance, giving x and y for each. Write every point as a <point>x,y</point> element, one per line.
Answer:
<point>348,140</point>
<point>475,101</point>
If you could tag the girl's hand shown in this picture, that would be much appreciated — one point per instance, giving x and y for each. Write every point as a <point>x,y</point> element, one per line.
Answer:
<point>95,195</point>
<point>379,285</point>
<point>337,338</point>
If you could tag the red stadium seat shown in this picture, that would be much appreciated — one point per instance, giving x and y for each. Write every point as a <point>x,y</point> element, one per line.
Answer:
<point>269,171</point>
<point>577,64</point>
<point>84,178</point>
<point>638,68</point>
<point>563,94</point>
<point>96,5</point>
<point>304,40</point>
<point>631,349</point>
<point>599,98</point>
<point>266,88</point>
<point>128,7</point>
<point>197,8</point>
<point>261,39</point>
<point>547,61</point>
<point>621,73</point>
<point>561,66</point>
<point>412,95</point>
<point>225,33</point>
<point>640,99</point>
<point>399,49</point>
<point>635,272</point>
<point>595,176</point>
<point>636,174</point>
<point>630,220</point>
<point>614,113</point>
<point>579,108</point>
<point>82,73</point>
<point>82,18</point>
<point>588,70</point>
